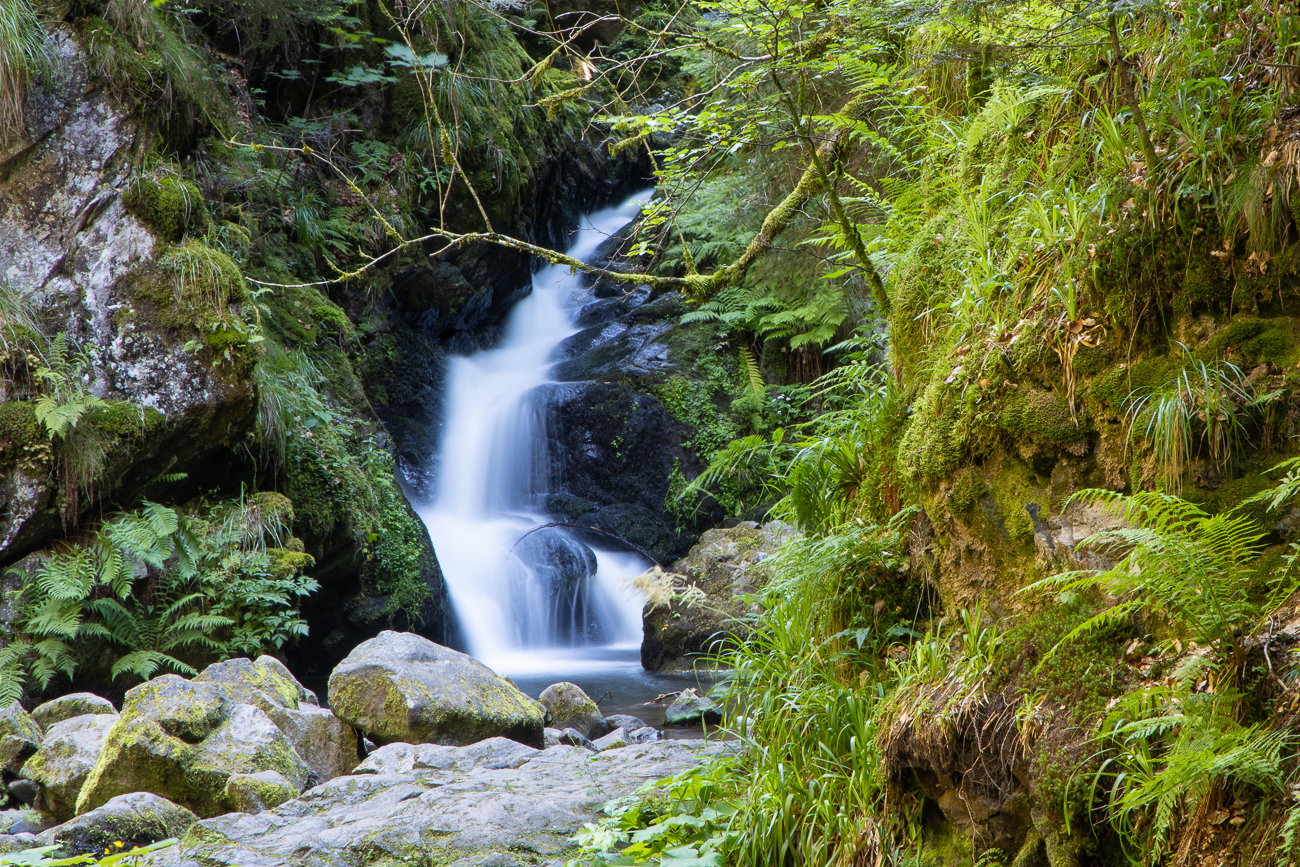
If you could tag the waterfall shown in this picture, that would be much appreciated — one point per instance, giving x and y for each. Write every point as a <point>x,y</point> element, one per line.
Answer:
<point>520,591</point>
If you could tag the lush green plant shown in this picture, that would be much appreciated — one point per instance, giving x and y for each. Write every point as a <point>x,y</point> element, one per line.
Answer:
<point>114,856</point>
<point>164,590</point>
<point>22,55</point>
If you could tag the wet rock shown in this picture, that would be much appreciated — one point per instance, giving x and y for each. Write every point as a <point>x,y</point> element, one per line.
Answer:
<point>136,819</point>
<point>627,721</point>
<point>644,735</point>
<point>497,802</point>
<point>562,566</point>
<point>727,564</point>
<point>68,706</point>
<point>182,740</point>
<point>615,740</point>
<point>401,687</point>
<point>256,793</point>
<point>68,754</point>
<point>20,737</point>
<point>691,708</point>
<point>569,707</point>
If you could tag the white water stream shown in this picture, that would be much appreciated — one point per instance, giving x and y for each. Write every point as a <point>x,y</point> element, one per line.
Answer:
<point>519,610</point>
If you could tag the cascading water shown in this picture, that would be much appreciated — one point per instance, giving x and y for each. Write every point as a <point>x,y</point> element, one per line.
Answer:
<point>523,597</point>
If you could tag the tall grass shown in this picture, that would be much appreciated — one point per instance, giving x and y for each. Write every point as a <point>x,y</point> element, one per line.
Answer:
<point>23,56</point>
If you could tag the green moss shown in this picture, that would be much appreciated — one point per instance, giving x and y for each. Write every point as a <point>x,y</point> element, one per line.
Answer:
<point>1039,416</point>
<point>966,494</point>
<point>1256,340</point>
<point>18,426</point>
<point>334,321</point>
<point>122,419</point>
<point>170,206</point>
<point>1231,495</point>
<point>285,563</point>
<point>1114,387</point>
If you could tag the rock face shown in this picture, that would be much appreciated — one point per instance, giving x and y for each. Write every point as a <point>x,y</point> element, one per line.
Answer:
<point>68,754</point>
<point>727,565</point>
<point>569,707</point>
<point>182,740</point>
<point>133,820</point>
<point>401,687</point>
<point>68,706</point>
<point>493,803</point>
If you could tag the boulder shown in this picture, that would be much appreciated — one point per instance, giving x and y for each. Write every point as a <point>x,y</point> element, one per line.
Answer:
<point>615,740</point>
<point>551,737</point>
<point>492,803</point>
<point>20,737</point>
<point>182,740</point>
<point>265,683</point>
<point>326,743</point>
<point>67,756</point>
<point>575,738</point>
<point>401,687</point>
<point>570,708</point>
<point>256,793</point>
<point>24,792</point>
<point>137,819</point>
<point>68,706</point>
<point>691,708</point>
<point>728,565</point>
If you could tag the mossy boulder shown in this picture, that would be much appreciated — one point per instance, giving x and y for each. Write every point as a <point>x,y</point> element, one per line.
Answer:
<point>69,706</point>
<point>69,753</point>
<point>691,708</point>
<point>569,707</point>
<point>182,740</point>
<point>265,684</point>
<point>170,206</point>
<point>135,819</point>
<point>400,687</point>
<point>726,564</point>
<point>326,743</point>
<point>20,737</point>
<point>257,793</point>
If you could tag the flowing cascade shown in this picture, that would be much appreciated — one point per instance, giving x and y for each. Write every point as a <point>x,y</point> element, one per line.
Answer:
<point>519,586</point>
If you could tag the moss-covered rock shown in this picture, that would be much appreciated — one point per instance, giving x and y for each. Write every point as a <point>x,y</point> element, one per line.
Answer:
<point>265,683</point>
<point>68,754</point>
<point>183,740</point>
<point>169,205</point>
<point>569,707</point>
<point>124,822</point>
<point>401,687</point>
<point>20,736</point>
<point>256,793</point>
<point>68,706</point>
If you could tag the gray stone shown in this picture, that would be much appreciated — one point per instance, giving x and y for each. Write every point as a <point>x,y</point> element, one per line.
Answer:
<point>20,737</point>
<point>495,802</point>
<point>690,708</point>
<point>23,821</point>
<point>182,740</point>
<point>68,706</point>
<point>67,756</point>
<point>615,740</point>
<point>137,819</point>
<point>575,738</point>
<point>24,791</point>
<point>265,683</point>
<point>570,708</point>
<point>326,743</point>
<point>627,721</point>
<point>644,735</point>
<point>550,737</point>
<point>400,687</point>
<point>256,793</point>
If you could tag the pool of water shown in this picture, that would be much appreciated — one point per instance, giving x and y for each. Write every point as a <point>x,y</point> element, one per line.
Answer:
<point>611,675</point>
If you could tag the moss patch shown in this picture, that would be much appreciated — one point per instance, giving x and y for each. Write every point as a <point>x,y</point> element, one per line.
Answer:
<point>170,206</point>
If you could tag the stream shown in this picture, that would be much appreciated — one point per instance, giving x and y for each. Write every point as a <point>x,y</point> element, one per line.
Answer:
<point>535,603</point>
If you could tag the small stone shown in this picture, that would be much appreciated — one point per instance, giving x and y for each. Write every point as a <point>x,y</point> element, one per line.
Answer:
<point>257,793</point>
<point>550,737</point>
<point>644,735</point>
<point>690,708</point>
<point>23,821</point>
<point>570,708</point>
<point>24,791</point>
<point>20,736</point>
<point>575,738</point>
<point>615,740</point>
<point>67,706</point>
<point>627,721</point>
